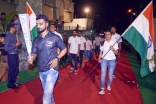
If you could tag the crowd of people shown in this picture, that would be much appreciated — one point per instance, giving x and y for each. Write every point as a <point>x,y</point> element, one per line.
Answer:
<point>50,47</point>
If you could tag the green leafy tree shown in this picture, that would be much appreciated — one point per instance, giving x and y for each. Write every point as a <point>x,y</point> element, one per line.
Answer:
<point>8,19</point>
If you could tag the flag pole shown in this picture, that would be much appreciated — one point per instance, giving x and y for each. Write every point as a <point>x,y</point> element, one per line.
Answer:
<point>98,63</point>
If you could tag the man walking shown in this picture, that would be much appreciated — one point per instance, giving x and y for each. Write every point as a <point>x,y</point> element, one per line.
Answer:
<point>82,48</point>
<point>97,47</point>
<point>73,50</point>
<point>114,38</point>
<point>45,47</point>
<point>11,46</point>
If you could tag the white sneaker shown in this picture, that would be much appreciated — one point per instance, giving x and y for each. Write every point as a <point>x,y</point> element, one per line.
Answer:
<point>108,88</point>
<point>78,64</point>
<point>75,71</point>
<point>114,76</point>
<point>101,92</point>
<point>71,69</point>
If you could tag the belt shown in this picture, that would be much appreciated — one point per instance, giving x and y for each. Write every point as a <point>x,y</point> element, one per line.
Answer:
<point>12,53</point>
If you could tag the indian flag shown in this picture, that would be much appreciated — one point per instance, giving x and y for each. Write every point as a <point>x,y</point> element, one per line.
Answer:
<point>140,34</point>
<point>32,22</point>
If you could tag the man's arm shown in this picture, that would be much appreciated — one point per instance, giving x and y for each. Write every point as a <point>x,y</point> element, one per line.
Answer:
<point>33,53</point>
<point>78,49</point>
<point>63,48</point>
<point>68,48</point>
<point>100,56</point>
<point>62,53</point>
<point>120,46</point>
<point>85,46</point>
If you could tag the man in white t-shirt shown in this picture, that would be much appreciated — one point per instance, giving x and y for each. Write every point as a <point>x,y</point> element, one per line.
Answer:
<point>53,30</point>
<point>82,48</point>
<point>97,47</point>
<point>73,50</point>
<point>102,39</point>
<point>114,38</point>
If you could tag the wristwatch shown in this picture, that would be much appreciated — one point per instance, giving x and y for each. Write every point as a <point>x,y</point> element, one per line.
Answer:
<point>58,58</point>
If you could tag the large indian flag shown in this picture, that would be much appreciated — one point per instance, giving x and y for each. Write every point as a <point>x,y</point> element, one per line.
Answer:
<point>140,34</point>
<point>32,22</point>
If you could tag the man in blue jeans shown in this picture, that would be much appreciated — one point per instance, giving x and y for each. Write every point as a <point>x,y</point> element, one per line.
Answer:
<point>73,51</point>
<point>82,48</point>
<point>45,47</point>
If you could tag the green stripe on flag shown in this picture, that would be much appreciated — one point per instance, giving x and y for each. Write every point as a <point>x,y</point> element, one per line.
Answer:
<point>34,33</point>
<point>141,46</point>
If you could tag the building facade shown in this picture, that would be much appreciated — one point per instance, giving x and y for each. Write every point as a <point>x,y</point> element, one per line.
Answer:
<point>62,10</point>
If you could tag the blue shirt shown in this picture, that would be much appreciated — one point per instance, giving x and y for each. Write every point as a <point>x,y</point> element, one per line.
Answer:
<point>10,43</point>
<point>46,49</point>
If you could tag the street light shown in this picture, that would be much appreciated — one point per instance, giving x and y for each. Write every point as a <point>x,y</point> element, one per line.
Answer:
<point>129,10</point>
<point>131,14</point>
<point>87,11</point>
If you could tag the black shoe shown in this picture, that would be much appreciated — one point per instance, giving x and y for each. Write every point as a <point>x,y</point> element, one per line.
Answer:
<point>13,87</point>
<point>15,84</point>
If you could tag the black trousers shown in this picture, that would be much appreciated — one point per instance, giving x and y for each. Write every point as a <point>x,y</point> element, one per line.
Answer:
<point>13,69</point>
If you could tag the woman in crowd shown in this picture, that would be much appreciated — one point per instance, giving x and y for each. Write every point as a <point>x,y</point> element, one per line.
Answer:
<point>107,61</point>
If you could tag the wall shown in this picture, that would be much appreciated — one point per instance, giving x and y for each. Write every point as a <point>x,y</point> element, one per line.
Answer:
<point>36,6</point>
<point>59,9</point>
<point>4,7</point>
<point>84,23</point>
<point>48,11</point>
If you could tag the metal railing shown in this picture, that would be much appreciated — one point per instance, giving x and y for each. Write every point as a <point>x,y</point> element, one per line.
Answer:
<point>76,28</point>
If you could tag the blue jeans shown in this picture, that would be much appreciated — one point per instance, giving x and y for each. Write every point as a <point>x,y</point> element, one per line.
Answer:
<point>75,60</point>
<point>81,57</point>
<point>110,64</point>
<point>115,64</point>
<point>13,69</point>
<point>48,80</point>
<point>87,54</point>
<point>97,49</point>
<point>92,54</point>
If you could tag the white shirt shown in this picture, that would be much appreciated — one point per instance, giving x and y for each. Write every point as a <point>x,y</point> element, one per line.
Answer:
<point>101,39</point>
<point>88,45</point>
<point>74,42</point>
<point>115,37</point>
<point>82,40</point>
<point>93,44</point>
<point>58,34</point>
<point>97,40</point>
<point>110,55</point>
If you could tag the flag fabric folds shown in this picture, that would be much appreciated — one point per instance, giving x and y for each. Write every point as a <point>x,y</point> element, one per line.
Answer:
<point>140,34</point>
<point>32,22</point>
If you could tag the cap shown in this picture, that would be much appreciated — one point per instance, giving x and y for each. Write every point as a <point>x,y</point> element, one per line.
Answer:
<point>10,25</point>
<point>2,35</point>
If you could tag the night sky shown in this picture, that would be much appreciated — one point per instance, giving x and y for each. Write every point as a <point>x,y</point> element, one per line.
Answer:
<point>110,12</point>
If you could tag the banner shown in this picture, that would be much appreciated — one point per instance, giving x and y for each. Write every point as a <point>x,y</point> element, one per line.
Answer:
<point>26,32</point>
